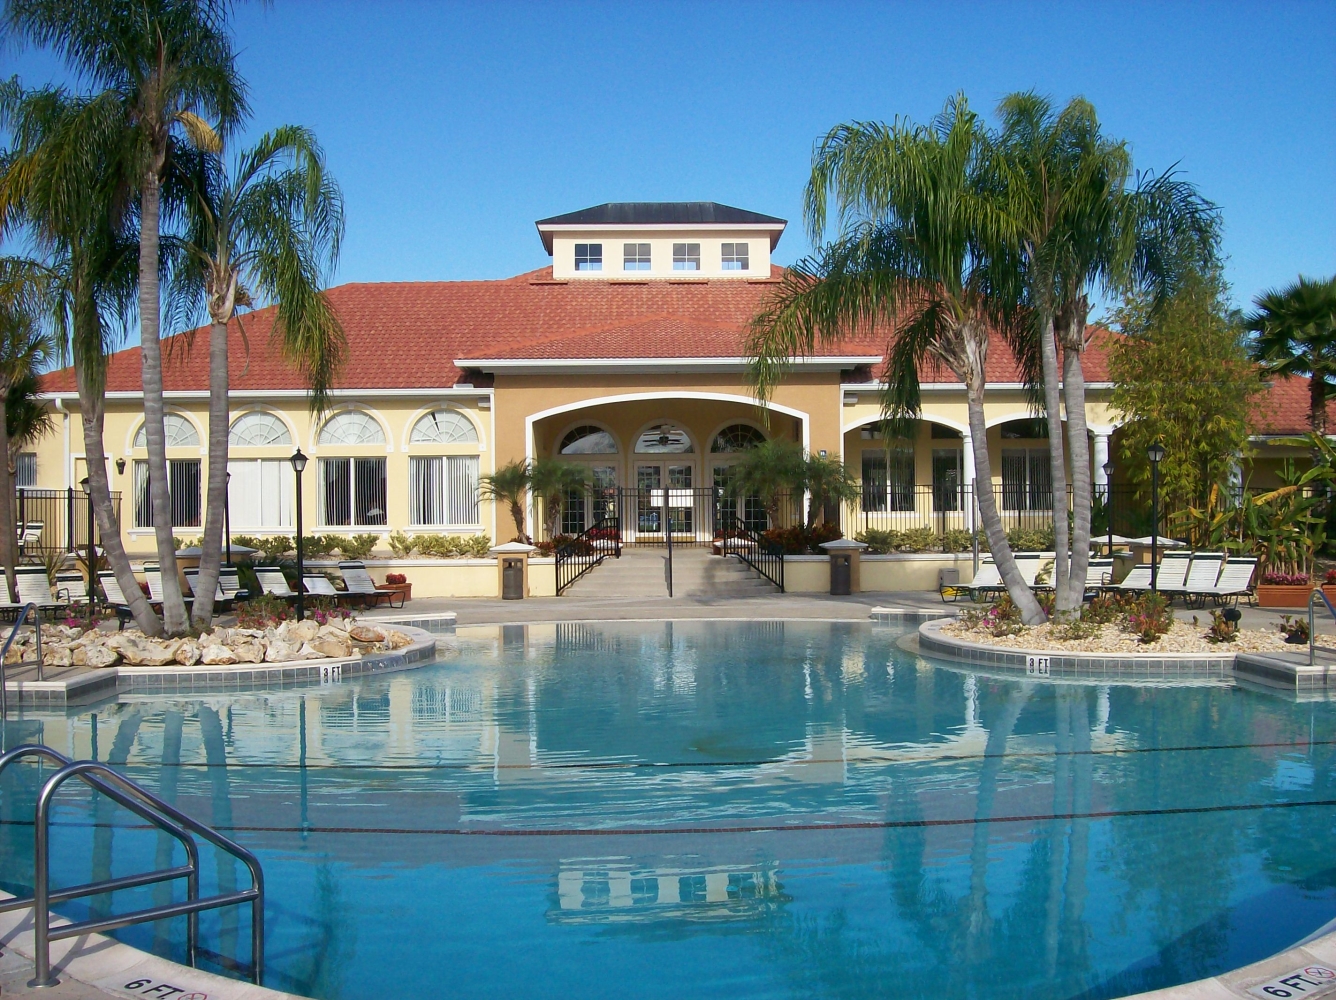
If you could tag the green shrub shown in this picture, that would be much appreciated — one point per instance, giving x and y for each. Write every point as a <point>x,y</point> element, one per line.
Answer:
<point>1150,617</point>
<point>878,542</point>
<point>400,544</point>
<point>922,539</point>
<point>1031,539</point>
<point>477,546</point>
<point>957,540</point>
<point>358,546</point>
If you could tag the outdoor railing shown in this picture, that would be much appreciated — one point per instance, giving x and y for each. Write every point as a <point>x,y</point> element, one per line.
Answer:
<point>50,521</point>
<point>764,556</point>
<point>577,556</point>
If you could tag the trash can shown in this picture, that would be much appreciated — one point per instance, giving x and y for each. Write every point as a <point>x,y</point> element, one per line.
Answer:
<point>512,563</point>
<point>844,558</point>
<point>512,578</point>
<point>841,574</point>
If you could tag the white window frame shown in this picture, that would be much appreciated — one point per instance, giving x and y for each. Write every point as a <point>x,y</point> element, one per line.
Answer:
<point>734,257</point>
<point>592,257</point>
<point>454,481</point>
<point>637,257</point>
<point>686,256</point>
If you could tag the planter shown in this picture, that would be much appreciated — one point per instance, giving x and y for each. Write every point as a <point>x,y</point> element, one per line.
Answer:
<point>1283,595</point>
<point>400,588</point>
<point>1329,589</point>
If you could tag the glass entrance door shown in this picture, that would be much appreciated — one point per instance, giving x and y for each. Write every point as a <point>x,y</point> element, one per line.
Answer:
<point>661,484</point>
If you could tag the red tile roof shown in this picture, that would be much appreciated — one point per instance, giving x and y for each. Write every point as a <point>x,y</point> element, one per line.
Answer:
<point>1284,410</point>
<point>408,335</point>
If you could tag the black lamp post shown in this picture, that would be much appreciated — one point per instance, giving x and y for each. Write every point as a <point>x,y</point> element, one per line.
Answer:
<point>298,461</point>
<point>92,551</point>
<point>1108,501</point>
<point>227,517</point>
<point>1156,455</point>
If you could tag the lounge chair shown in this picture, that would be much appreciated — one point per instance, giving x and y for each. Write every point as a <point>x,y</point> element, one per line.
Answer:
<point>220,598</point>
<point>987,581</point>
<point>1173,574</point>
<point>1030,563</point>
<point>1236,578</point>
<point>113,595</point>
<point>1099,572</point>
<point>1202,577</point>
<point>70,586</point>
<point>319,585</point>
<point>274,583</point>
<point>359,584</point>
<point>30,534</point>
<point>153,577</point>
<point>34,588</point>
<point>230,582</point>
<point>1137,579</point>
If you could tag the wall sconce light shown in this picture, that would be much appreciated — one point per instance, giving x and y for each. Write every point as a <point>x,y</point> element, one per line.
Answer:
<point>120,466</point>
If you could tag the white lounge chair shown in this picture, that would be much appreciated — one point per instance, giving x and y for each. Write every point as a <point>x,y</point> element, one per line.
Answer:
<point>70,586</point>
<point>1173,574</point>
<point>230,582</point>
<point>987,581</point>
<point>34,588</point>
<point>360,585</point>
<point>1098,574</point>
<point>1030,563</point>
<point>192,581</point>
<point>30,534</point>
<point>1137,579</point>
<point>153,577</point>
<point>318,585</point>
<point>274,583</point>
<point>1202,576</point>
<point>1236,580</point>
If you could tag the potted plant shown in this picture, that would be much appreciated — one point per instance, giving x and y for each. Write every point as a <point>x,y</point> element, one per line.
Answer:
<point>399,584</point>
<point>1284,590</point>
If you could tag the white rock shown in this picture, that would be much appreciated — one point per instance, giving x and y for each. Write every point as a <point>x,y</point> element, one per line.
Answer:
<point>331,645</point>
<point>217,654</point>
<point>57,654</point>
<point>279,651</point>
<point>101,656</point>
<point>252,651</point>
<point>187,653</point>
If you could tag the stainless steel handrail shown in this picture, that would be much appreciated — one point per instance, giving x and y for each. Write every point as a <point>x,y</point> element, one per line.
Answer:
<point>1315,596</point>
<point>4,651</point>
<point>160,814</point>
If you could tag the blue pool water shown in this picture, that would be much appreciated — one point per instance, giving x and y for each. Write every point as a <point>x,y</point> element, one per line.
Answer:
<point>712,809</point>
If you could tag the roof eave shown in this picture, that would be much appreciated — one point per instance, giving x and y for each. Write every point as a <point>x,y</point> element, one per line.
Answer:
<point>571,366</point>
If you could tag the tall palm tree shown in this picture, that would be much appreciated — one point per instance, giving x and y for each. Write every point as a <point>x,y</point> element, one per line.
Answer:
<point>923,252</point>
<point>25,347</point>
<point>1295,331</point>
<point>768,471</point>
<point>553,481</point>
<point>267,232</point>
<point>62,180</point>
<point>1082,222</point>
<point>170,66</point>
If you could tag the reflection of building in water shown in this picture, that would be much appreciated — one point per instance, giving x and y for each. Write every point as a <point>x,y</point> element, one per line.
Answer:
<point>597,890</point>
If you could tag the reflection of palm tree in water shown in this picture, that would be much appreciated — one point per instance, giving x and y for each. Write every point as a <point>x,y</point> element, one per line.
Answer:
<point>215,756</point>
<point>100,906</point>
<point>327,949</point>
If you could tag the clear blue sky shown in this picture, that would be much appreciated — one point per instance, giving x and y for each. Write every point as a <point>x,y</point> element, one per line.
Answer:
<point>452,127</point>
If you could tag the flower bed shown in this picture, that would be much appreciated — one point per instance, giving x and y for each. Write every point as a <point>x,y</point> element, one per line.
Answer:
<point>1182,637</point>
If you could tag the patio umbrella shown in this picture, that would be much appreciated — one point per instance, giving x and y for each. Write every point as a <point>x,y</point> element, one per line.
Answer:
<point>193,551</point>
<point>1161,541</point>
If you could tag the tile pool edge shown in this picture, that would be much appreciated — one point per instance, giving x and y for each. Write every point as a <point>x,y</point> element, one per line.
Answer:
<point>107,965</point>
<point>1235,984</point>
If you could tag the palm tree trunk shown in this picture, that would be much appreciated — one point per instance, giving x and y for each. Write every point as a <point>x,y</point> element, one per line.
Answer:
<point>173,607</point>
<point>1078,447</point>
<point>99,492</point>
<point>211,543</point>
<point>1317,403</point>
<point>517,515</point>
<point>1048,352</point>
<point>1031,612</point>
<point>8,534</point>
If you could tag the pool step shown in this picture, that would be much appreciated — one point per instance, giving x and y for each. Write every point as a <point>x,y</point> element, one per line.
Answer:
<point>696,573</point>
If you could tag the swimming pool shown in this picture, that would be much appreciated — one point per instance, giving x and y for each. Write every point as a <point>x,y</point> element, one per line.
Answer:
<point>722,809</point>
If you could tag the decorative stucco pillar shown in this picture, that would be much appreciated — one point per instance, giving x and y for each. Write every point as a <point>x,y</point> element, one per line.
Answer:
<point>1100,459</point>
<point>967,475</point>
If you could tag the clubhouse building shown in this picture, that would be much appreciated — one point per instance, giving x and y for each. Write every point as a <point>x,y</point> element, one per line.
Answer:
<point>625,355</point>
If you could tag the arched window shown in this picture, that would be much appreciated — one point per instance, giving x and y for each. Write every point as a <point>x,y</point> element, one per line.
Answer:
<point>588,440</point>
<point>735,438</point>
<point>179,431</point>
<point>444,427</point>
<point>664,440</point>
<point>351,427</point>
<point>258,429</point>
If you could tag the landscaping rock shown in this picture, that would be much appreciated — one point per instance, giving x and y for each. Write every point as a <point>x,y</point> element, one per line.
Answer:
<point>279,651</point>
<point>57,654</point>
<point>250,651</point>
<point>217,654</point>
<point>298,632</point>
<point>331,645</point>
<point>366,633</point>
<point>100,656</point>
<point>187,653</point>
<point>396,640</point>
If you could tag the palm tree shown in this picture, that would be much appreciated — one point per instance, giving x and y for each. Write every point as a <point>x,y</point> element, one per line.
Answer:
<point>1295,331</point>
<point>509,484</point>
<point>1081,222</point>
<point>769,471</point>
<point>169,65</point>
<point>25,347</point>
<point>266,232</point>
<point>923,251</point>
<point>553,481</point>
<point>62,180</point>
<point>828,483</point>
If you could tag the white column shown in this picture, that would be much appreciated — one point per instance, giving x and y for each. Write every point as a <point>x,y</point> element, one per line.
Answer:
<point>1101,457</point>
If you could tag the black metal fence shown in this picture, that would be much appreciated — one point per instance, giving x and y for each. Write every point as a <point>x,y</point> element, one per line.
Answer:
<point>691,515</point>
<point>51,521</point>
<point>578,555</point>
